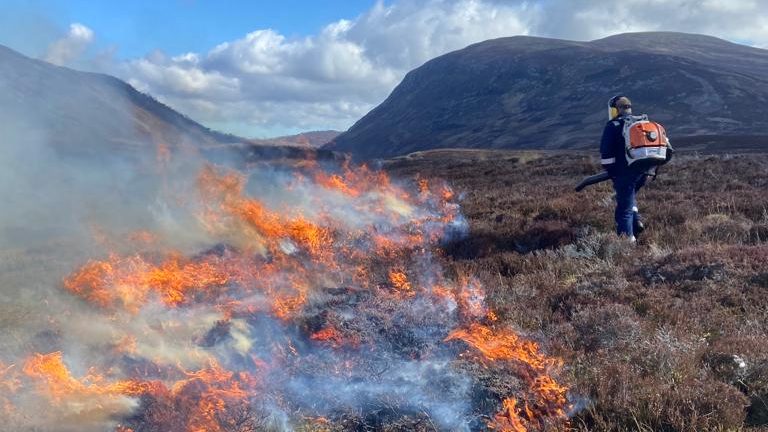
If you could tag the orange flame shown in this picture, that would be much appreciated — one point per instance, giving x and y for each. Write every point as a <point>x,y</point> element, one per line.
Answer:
<point>329,335</point>
<point>352,182</point>
<point>298,253</point>
<point>224,194</point>
<point>54,379</point>
<point>502,345</point>
<point>399,280</point>
<point>508,420</point>
<point>549,397</point>
<point>208,392</point>
<point>127,282</point>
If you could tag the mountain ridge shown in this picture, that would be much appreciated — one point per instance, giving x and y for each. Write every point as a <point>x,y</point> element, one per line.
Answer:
<point>540,93</point>
<point>88,112</point>
<point>309,139</point>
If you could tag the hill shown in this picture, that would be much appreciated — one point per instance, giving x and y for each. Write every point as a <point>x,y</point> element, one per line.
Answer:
<point>311,139</point>
<point>529,92</point>
<point>83,112</point>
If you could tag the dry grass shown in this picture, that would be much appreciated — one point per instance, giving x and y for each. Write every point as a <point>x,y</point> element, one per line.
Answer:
<point>670,335</point>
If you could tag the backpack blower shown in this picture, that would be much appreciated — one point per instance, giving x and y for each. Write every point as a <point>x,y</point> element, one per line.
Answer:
<point>646,145</point>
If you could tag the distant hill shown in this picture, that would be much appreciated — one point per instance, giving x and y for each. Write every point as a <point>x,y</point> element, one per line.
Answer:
<point>311,139</point>
<point>529,92</point>
<point>89,113</point>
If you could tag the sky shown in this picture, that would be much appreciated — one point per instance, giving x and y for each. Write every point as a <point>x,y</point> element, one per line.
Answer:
<point>267,68</point>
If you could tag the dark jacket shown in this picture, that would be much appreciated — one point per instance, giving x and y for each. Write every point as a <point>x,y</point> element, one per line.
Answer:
<point>612,148</point>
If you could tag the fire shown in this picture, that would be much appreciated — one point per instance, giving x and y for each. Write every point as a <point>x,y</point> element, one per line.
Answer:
<point>128,281</point>
<point>333,337</point>
<point>336,182</point>
<point>54,379</point>
<point>327,334</point>
<point>502,345</point>
<point>399,280</point>
<point>285,307</point>
<point>252,326</point>
<point>50,369</point>
<point>176,277</point>
<point>508,420</point>
<point>550,397</point>
<point>351,182</point>
<point>228,210</point>
<point>423,186</point>
<point>208,391</point>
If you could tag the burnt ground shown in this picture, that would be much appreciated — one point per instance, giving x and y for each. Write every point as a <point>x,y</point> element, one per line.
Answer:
<point>668,335</point>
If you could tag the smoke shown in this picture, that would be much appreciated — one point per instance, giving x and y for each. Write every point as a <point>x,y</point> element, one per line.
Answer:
<point>67,49</point>
<point>158,291</point>
<point>63,210</point>
<point>59,210</point>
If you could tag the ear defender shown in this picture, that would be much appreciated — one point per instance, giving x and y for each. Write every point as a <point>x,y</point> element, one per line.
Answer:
<point>613,112</point>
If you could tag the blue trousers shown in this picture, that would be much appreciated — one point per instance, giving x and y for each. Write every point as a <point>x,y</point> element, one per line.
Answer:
<point>626,186</point>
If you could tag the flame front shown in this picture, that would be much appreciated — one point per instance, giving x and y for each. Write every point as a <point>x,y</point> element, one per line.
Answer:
<point>548,397</point>
<point>127,282</point>
<point>310,305</point>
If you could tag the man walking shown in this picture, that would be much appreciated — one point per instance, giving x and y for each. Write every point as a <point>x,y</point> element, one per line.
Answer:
<point>627,180</point>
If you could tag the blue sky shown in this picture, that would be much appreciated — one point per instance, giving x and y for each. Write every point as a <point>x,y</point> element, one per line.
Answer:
<point>136,27</point>
<point>268,68</point>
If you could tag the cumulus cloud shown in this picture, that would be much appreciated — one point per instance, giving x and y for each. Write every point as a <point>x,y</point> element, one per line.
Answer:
<point>737,20</point>
<point>71,46</point>
<point>266,83</point>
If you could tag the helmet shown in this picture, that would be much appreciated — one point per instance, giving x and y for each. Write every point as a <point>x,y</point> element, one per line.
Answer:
<point>614,103</point>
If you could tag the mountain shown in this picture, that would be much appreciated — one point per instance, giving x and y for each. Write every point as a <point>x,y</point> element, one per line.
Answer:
<point>530,92</point>
<point>82,112</point>
<point>311,139</point>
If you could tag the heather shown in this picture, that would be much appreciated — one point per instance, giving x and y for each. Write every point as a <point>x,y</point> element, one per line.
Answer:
<point>670,334</point>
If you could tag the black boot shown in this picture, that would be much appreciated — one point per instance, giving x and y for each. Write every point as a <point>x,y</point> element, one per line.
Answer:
<point>637,226</point>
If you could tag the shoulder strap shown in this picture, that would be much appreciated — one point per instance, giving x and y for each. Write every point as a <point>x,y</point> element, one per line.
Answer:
<point>636,118</point>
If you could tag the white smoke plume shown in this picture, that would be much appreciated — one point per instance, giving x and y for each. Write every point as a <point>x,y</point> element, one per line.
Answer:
<point>67,49</point>
<point>172,294</point>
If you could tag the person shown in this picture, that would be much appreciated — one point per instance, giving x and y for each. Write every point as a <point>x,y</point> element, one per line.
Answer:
<point>627,180</point>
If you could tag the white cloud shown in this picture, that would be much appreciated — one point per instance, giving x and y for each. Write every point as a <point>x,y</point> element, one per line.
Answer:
<point>181,76</point>
<point>738,20</point>
<point>266,83</point>
<point>71,46</point>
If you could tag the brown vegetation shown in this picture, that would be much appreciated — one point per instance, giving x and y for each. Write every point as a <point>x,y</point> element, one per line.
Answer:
<point>667,335</point>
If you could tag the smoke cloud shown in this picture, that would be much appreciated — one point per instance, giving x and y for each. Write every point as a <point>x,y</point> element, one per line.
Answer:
<point>67,49</point>
<point>158,291</point>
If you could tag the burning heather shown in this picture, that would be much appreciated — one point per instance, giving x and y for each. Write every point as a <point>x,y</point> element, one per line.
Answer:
<point>311,300</point>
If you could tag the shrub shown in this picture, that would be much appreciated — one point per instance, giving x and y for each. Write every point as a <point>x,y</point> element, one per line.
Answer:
<point>652,335</point>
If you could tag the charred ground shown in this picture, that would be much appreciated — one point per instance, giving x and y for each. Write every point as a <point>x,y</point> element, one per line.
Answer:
<point>666,336</point>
